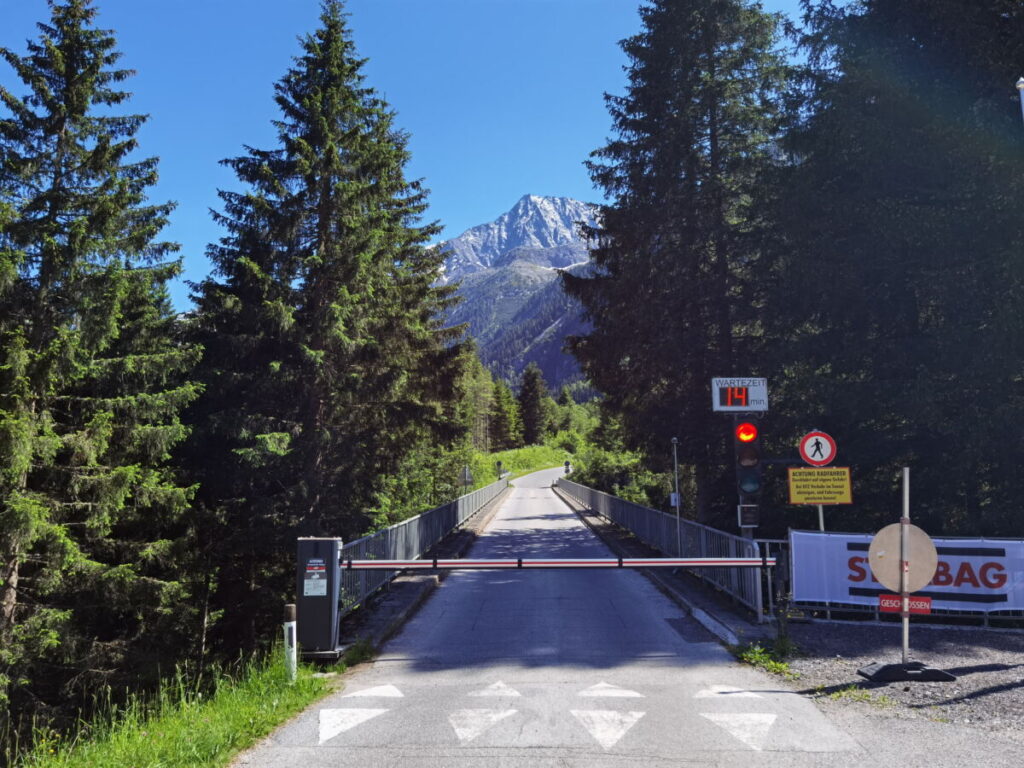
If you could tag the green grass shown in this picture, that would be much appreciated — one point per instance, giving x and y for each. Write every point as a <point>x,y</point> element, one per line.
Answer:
<point>183,728</point>
<point>854,692</point>
<point>518,461</point>
<point>771,659</point>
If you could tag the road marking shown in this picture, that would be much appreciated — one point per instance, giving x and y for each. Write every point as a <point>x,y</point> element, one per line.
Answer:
<point>335,721</point>
<point>470,723</point>
<point>750,728</point>
<point>606,689</point>
<point>382,691</point>
<point>607,726</point>
<point>726,690</point>
<point>497,689</point>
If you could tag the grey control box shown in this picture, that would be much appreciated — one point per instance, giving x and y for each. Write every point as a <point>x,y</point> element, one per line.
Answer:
<point>317,594</point>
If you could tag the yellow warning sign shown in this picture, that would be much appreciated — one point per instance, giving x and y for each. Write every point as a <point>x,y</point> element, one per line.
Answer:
<point>811,485</point>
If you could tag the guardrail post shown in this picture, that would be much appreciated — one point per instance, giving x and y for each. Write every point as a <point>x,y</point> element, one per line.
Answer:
<point>316,595</point>
<point>758,594</point>
<point>290,658</point>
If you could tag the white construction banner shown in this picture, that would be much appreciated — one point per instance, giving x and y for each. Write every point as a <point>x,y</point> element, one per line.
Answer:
<point>972,575</point>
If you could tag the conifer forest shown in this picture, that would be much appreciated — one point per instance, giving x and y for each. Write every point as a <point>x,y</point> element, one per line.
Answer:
<point>835,206</point>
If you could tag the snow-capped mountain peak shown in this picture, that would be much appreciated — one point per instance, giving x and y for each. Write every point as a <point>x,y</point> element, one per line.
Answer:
<point>534,224</point>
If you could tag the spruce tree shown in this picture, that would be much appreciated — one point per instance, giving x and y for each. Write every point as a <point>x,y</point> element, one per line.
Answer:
<point>670,297</point>
<point>533,393</point>
<point>327,363</point>
<point>477,396</point>
<point>506,424</point>
<point>92,380</point>
<point>565,396</point>
<point>896,321</point>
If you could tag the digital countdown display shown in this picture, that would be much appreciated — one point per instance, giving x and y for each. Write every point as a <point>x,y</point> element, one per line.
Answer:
<point>739,395</point>
<point>734,396</point>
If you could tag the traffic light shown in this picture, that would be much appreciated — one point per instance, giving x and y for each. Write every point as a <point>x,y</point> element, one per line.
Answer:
<point>747,443</point>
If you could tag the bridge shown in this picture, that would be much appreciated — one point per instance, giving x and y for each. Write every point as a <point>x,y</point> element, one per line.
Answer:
<point>562,667</point>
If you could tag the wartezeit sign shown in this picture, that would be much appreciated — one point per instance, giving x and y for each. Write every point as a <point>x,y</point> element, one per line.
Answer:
<point>739,395</point>
<point>972,574</point>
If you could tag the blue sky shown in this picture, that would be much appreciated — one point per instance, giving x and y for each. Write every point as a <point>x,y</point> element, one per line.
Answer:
<point>501,97</point>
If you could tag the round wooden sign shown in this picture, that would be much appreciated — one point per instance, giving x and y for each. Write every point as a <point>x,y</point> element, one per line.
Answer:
<point>884,558</point>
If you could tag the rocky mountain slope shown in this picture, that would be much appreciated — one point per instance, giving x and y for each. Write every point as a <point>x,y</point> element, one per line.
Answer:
<point>512,298</point>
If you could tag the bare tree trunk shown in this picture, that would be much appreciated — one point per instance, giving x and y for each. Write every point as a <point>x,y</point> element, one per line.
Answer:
<point>702,478</point>
<point>9,592</point>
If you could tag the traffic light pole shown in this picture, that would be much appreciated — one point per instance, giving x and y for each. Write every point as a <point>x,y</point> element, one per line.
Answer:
<point>747,452</point>
<point>905,565</point>
<point>675,472</point>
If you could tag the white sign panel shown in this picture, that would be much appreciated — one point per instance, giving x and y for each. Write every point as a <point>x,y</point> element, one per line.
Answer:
<point>739,395</point>
<point>972,574</point>
<point>315,582</point>
<point>314,587</point>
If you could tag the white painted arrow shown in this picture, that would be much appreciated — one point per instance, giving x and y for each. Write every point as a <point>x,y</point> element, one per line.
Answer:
<point>750,728</point>
<point>497,689</point>
<point>606,689</point>
<point>335,721</point>
<point>470,723</point>
<point>607,726</point>
<point>382,691</point>
<point>727,691</point>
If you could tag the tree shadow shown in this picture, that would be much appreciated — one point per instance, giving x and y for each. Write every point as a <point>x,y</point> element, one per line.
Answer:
<point>532,618</point>
<point>972,695</point>
<point>976,668</point>
<point>885,640</point>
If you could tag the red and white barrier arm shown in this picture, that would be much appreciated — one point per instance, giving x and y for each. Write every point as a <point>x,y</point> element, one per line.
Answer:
<point>622,562</point>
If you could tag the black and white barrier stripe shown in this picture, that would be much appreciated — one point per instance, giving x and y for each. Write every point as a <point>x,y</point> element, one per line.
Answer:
<point>621,562</point>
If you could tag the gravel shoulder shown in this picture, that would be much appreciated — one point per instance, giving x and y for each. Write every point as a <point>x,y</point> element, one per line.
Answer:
<point>988,693</point>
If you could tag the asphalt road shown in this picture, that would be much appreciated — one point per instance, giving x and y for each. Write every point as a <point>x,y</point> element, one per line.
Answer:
<point>578,668</point>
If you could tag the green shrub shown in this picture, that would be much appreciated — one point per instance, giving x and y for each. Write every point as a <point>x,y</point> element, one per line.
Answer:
<point>622,474</point>
<point>518,461</point>
<point>771,659</point>
<point>568,440</point>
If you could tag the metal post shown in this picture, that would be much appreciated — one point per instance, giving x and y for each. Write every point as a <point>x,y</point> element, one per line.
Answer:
<point>1020,90</point>
<point>675,470</point>
<point>905,564</point>
<point>821,518</point>
<point>290,646</point>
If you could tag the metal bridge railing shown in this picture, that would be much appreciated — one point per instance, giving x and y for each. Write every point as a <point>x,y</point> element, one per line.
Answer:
<point>658,529</point>
<point>407,540</point>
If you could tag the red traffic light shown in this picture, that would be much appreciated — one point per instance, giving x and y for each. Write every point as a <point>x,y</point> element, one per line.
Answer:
<point>746,432</point>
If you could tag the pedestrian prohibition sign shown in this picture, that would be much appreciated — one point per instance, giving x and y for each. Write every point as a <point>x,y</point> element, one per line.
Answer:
<point>817,449</point>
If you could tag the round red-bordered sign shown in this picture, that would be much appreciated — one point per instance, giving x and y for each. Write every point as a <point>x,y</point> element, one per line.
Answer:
<point>817,449</point>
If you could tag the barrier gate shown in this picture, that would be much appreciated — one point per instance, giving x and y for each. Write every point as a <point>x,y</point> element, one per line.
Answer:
<point>320,565</point>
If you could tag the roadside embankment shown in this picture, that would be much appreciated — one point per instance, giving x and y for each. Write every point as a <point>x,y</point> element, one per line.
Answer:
<point>989,665</point>
<point>186,725</point>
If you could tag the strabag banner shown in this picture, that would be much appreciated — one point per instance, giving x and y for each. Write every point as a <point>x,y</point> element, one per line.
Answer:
<point>972,575</point>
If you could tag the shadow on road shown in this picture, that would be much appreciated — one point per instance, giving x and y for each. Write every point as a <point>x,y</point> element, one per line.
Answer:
<point>590,618</point>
